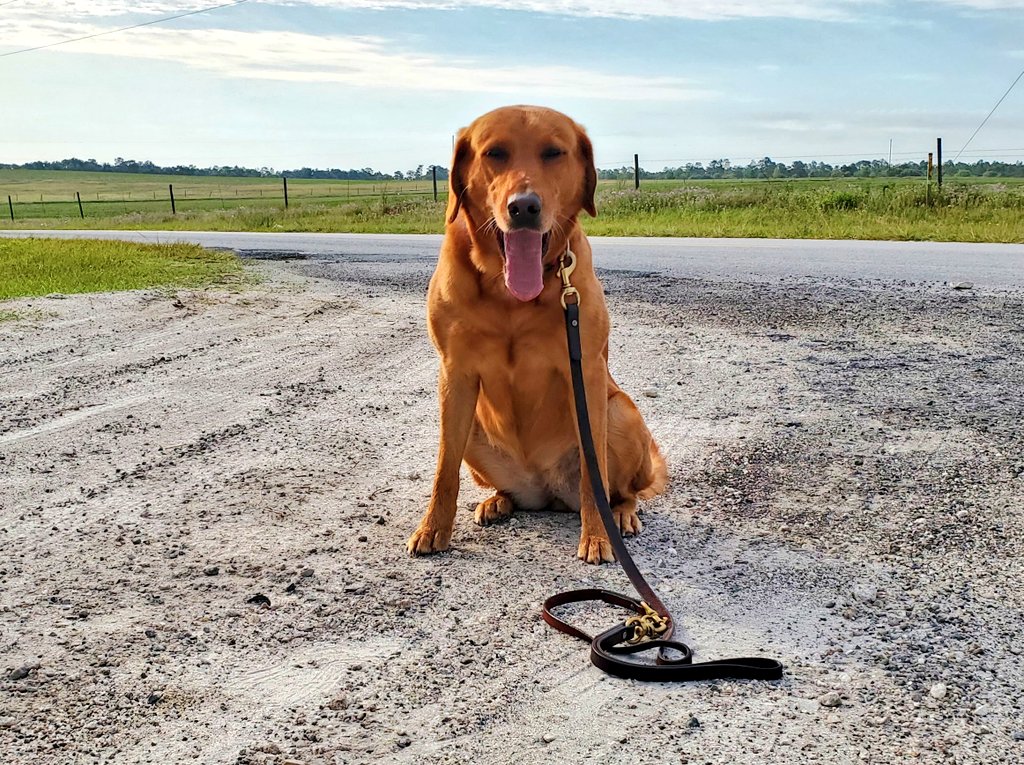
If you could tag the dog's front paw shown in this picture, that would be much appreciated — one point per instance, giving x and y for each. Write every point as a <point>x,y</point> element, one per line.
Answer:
<point>492,510</point>
<point>595,549</point>
<point>426,540</point>
<point>628,521</point>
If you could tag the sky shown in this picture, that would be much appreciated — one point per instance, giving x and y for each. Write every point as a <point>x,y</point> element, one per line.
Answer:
<point>387,83</point>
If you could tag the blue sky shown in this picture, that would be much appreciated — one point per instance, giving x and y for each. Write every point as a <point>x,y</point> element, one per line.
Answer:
<point>385,83</point>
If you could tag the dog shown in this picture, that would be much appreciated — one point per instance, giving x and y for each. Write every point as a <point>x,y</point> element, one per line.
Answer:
<point>520,177</point>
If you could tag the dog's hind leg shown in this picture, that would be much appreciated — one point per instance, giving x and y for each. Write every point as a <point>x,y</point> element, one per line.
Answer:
<point>626,517</point>
<point>514,486</point>
<point>493,509</point>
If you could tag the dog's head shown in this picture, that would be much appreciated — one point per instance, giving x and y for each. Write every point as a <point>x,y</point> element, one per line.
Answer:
<point>523,173</point>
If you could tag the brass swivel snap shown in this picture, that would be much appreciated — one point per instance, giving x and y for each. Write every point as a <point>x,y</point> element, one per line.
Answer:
<point>565,271</point>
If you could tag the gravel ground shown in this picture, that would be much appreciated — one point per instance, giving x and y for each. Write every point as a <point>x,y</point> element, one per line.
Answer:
<point>205,495</point>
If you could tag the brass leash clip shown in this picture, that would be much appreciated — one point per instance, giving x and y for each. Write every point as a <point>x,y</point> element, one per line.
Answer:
<point>565,270</point>
<point>647,625</point>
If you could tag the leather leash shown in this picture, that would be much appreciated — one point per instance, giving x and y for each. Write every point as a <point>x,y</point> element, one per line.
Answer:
<point>651,627</point>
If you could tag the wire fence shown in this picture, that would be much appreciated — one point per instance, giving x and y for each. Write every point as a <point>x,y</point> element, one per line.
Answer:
<point>158,196</point>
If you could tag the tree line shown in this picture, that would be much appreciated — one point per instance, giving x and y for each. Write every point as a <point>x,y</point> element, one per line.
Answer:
<point>715,169</point>
<point>120,165</point>
<point>864,168</point>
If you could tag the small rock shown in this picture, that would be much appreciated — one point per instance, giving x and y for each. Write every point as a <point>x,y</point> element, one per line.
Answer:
<point>414,475</point>
<point>151,633</point>
<point>1018,735</point>
<point>547,738</point>
<point>938,691</point>
<point>154,698</point>
<point>7,722</point>
<point>963,286</point>
<point>830,699</point>
<point>306,572</point>
<point>211,570</point>
<point>362,537</point>
<point>21,672</point>
<point>693,722</point>
<point>403,742</point>
<point>259,600</point>
<point>865,593</point>
<point>651,392</point>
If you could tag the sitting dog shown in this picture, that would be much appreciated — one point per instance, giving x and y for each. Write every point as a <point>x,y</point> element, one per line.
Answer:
<point>520,176</point>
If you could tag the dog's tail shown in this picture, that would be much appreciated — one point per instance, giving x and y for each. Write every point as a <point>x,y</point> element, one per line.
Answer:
<point>652,478</point>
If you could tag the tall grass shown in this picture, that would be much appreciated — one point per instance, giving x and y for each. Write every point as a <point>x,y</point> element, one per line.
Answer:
<point>870,211</point>
<point>789,209</point>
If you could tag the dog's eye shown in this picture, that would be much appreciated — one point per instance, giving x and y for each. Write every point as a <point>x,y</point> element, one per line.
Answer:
<point>551,152</point>
<point>497,153</point>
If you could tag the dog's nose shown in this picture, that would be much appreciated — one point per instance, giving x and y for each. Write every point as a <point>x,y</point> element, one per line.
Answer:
<point>524,210</point>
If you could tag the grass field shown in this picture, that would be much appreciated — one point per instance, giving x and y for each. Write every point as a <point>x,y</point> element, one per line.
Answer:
<point>33,267</point>
<point>975,210</point>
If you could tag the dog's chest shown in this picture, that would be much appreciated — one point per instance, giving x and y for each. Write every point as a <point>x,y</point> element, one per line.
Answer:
<point>524,394</point>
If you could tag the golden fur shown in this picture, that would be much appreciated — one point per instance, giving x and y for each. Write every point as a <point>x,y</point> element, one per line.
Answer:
<point>505,390</point>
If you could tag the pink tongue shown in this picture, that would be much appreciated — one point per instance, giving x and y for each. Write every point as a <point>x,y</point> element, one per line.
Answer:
<point>524,271</point>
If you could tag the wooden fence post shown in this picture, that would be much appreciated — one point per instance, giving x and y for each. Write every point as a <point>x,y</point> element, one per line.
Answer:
<point>10,206</point>
<point>433,173</point>
<point>170,188</point>
<point>283,178</point>
<point>636,171</point>
<point>81,212</point>
<point>938,152</point>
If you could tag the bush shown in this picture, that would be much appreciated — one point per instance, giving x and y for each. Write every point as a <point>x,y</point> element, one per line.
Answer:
<point>840,200</point>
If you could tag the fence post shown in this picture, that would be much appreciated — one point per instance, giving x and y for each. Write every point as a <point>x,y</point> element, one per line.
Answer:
<point>636,171</point>
<point>170,188</point>
<point>10,206</point>
<point>285,179</point>
<point>433,173</point>
<point>938,152</point>
<point>79,198</point>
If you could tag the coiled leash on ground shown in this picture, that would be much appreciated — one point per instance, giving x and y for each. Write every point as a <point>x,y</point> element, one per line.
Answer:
<point>651,627</point>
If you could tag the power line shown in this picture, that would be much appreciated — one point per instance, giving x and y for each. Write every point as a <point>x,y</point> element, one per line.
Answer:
<point>1019,76</point>
<point>122,29</point>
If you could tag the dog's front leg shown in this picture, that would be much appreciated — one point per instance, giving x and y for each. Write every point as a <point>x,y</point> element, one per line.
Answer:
<point>457,392</point>
<point>594,545</point>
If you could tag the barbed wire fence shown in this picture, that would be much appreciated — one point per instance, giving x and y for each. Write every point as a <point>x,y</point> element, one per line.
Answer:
<point>127,193</point>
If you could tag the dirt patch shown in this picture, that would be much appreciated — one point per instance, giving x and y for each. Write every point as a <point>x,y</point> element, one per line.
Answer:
<point>205,497</point>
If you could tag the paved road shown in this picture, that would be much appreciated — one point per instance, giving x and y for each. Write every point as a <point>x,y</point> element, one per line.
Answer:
<point>989,265</point>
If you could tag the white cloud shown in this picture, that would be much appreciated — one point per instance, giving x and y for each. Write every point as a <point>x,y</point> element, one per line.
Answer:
<point>367,62</point>
<point>985,5</point>
<point>821,10</point>
<point>829,10</point>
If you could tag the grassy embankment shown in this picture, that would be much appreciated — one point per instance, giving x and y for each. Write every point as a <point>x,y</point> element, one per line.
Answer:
<point>970,210</point>
<point>33,267</point>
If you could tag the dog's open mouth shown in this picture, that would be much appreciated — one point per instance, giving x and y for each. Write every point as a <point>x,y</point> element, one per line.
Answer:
<point>524,250</point>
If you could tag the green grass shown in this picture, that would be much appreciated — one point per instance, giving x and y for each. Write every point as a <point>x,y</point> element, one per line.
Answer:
<point>34,267</point>
<point>973,209</point>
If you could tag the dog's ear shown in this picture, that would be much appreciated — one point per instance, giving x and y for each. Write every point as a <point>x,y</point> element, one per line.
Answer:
<point>457,175</point>
<point>589,171</point>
